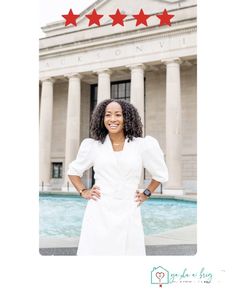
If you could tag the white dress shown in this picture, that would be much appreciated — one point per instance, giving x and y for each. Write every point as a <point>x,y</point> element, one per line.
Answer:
<point>113,225</point>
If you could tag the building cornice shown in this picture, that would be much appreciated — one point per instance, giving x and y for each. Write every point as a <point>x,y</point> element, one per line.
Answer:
<point>125,37</point>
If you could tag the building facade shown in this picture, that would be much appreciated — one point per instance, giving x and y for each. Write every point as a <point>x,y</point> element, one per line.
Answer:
<point>154,67</point>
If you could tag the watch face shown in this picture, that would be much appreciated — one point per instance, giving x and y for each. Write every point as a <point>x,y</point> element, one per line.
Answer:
<point>147,193</point>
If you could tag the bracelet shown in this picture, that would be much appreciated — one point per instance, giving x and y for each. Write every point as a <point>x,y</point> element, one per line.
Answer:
<point>81,190</point>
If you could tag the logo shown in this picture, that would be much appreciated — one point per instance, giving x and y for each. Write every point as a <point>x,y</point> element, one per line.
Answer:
<point>159,275</point>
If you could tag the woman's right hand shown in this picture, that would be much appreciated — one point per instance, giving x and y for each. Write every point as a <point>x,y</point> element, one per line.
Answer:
<point>93,193</point>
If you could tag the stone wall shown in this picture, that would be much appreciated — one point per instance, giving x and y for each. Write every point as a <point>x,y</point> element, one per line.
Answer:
<point>155,118</point>
<point>59,120</point>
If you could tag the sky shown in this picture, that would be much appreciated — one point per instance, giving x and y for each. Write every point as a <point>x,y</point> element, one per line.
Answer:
<point>51,10</point>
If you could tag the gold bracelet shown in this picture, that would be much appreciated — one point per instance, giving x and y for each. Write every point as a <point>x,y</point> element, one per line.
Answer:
<point>81,190</point>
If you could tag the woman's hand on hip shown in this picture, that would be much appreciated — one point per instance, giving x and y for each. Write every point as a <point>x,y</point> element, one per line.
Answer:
<point>93,193</point>
<point>140,198</point>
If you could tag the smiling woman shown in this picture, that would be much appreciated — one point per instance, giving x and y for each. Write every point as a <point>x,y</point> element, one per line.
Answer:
<point>114,121</point>
<point>115,111</point>
<point>112,222</point>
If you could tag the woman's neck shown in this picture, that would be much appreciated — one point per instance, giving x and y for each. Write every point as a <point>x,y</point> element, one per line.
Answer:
<point>117,138</point>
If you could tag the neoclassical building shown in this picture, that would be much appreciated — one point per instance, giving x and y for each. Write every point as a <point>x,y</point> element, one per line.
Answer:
<point>153,67</point>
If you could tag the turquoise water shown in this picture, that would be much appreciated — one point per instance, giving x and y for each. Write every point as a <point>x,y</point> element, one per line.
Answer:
<point>62,216</point>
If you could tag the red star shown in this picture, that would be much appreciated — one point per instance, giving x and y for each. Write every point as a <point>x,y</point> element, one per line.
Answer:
<point>118,18</point>
<point>94,18</point>
<point>141,18</point>
<point>165,18</point>
<point>70,18</point>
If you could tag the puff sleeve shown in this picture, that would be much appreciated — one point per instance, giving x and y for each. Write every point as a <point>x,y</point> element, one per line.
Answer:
<point>84,159</point>
<point>153,159</point>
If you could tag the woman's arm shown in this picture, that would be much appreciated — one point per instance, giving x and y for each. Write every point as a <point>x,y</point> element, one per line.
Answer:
<point>92,193</point>
<point>153,185</point>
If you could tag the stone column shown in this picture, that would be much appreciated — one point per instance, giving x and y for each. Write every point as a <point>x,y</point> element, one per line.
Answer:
<point>173,127</point>
<point>72,125</point>
<point>104,85</point>
<point>137,98</point>
<point>137,89</point>
<point>45,133</point>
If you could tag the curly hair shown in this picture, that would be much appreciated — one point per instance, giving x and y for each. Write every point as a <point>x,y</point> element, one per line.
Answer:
<point>132,121</point>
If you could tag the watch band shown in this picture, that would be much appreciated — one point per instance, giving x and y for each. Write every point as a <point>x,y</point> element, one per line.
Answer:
<point>147,192</point>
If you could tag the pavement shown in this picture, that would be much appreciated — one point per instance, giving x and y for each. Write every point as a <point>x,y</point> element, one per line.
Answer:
<point>182,235</point>
<point>167,250</point>
<point>181,241</point>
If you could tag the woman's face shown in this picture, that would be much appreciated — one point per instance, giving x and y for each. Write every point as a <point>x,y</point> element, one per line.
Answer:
<point>113,119</point>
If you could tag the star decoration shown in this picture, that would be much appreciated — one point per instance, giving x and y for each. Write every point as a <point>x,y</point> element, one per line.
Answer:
<point>165,18</point>
<point>70,18</point>
<point>141,18</point>
<point>94,18</point>
<point>118,18</point>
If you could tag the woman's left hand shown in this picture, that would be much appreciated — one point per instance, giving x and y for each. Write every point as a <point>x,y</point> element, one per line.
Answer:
<point>140,198</point>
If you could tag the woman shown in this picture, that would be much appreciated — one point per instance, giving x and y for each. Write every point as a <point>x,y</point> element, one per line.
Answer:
<point>112,222</point>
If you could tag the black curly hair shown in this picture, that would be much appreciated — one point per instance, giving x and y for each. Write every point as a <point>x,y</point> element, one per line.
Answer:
<point>132,121</point>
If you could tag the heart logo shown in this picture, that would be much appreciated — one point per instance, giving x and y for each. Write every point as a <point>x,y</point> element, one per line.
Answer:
<point>160,275</point>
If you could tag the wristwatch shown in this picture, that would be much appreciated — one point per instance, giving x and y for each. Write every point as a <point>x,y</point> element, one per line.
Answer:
<point>147,193</point>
